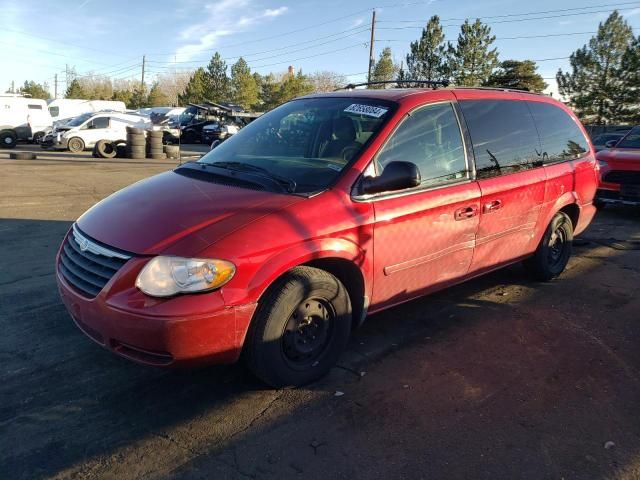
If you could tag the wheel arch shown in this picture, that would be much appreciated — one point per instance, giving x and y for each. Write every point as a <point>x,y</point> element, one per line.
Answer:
<point>573,212</point>
<point>339,257</point>
<point>352,278</point>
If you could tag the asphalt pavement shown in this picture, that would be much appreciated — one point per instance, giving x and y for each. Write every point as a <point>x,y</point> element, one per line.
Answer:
<point>500,377</point>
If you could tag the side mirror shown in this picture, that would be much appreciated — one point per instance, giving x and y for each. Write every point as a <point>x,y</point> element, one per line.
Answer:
<point>395,176</point>
<point>611,143</point>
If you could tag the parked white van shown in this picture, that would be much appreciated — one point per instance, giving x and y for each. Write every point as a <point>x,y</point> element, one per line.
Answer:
<point>87,129</point>
<point>22,118</point>
<point>67,108</point>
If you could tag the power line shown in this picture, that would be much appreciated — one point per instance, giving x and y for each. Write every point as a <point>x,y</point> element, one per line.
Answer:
<point>246,56</point>
<point>512,21</point>
<point>609,5</point>
<point>279,35</point>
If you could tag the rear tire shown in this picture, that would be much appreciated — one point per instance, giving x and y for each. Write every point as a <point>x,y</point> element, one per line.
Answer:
<point>75,145</point>
<point>300,329</point>
<point>8,139</point>
<point>553,252</point>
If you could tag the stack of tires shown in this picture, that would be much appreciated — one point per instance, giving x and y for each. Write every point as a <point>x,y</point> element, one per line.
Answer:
<point>155,147</point>
<point>136,143</point>
<point>172,151</point>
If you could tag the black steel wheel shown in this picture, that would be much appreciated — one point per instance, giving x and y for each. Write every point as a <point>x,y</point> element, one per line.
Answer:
<point>307,333</point>
<point>553,252</point>
<point>300,328</point>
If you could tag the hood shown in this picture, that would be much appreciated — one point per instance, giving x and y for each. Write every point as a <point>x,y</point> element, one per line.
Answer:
<point>174,214</point>
<point>620,158</point>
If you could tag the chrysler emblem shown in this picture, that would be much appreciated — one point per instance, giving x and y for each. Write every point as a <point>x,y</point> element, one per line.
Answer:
<point>83,243</point>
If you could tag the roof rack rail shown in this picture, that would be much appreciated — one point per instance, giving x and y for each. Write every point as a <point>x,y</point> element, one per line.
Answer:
<point>502,89</point>
<point>432,83</point>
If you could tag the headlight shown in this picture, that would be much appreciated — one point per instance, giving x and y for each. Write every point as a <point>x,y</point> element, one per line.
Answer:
<point>602,164</point>
<point>166,276</point>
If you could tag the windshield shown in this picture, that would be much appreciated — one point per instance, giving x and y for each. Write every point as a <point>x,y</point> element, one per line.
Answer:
<point>632,140</point>
<point>308,141</point>
<point>79,120</point>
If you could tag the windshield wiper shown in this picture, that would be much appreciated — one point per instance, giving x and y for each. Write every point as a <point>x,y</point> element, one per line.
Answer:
<point>290,183</point>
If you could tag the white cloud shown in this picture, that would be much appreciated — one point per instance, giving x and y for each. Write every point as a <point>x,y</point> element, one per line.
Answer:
<point>275,12</point>
<point>357,22</point>
<point>221,19</point>
<point>633,12</point>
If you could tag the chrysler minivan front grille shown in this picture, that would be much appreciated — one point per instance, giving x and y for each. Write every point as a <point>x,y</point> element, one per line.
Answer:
<point>88,265</point>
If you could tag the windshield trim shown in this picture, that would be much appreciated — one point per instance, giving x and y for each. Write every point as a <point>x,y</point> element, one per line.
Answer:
<point>393,107</point>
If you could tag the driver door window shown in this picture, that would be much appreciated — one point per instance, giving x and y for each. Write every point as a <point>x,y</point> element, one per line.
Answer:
<point>430,138</point>
<point>96,123</point>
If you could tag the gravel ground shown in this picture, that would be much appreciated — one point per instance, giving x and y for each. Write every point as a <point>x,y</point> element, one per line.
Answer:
<point>500,377</point>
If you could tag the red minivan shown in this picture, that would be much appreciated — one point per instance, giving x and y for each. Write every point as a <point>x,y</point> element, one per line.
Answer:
<point>280,241</point>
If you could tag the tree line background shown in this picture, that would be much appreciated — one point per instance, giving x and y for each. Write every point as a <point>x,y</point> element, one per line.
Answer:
<point>602,84</point>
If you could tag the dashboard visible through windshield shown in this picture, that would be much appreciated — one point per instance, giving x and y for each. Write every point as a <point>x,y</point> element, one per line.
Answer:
<point>306,142</point>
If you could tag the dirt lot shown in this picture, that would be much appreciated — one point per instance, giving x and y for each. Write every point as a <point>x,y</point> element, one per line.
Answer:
<point>497,378</point>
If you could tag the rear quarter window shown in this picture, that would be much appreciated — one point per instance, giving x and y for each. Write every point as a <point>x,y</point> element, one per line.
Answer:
<point>560,136</point>
<point>504,137</point>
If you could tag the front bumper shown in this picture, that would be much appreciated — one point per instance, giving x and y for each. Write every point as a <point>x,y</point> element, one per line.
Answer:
<point>623,195</point>
<point>52,141</point>
<point>182,331</point>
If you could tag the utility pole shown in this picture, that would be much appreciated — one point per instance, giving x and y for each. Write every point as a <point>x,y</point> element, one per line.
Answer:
<point>13,86</point>
<point>144,58</point>
<point>55,86</point>
<point>373,33</point>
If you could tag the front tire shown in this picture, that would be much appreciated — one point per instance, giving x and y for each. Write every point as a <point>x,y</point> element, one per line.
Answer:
<point>75,145</point>
<point>8,139</point>
<point>300,329</point>
<point>553,252</point>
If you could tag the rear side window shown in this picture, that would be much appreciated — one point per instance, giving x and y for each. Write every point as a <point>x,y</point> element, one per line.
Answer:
<point>35,107</point>
<point>54,111</point>
<point>561,138</point>
<point>429,137</point>
<point>504,137</point>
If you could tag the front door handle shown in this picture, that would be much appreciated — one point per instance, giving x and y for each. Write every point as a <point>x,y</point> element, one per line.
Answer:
<point>492,206</point>
<point>466,212</point>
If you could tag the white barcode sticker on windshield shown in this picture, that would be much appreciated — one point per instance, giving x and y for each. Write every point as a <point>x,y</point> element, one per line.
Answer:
<point>368,110</point>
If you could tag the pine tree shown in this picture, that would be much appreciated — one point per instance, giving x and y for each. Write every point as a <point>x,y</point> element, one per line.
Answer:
<point>270,92</point>
<point>157,97</point>
<point>517,74</point>
<point>630,76</point>
<point>35,90</point>
<point>219,84</point>
<point>385,70</point>
<point>243,85</point>
<point>473,60</point>
<point>197,89</point>
<point>294,86</point>
<point>139,98</point>
<point>75,90</point>
<point>427,57</point>
<point>595,85</point>
<point>123,96</point>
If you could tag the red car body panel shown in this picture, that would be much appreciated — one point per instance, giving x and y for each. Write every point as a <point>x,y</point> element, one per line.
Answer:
<point>400,246</point>
<point>617,160</point>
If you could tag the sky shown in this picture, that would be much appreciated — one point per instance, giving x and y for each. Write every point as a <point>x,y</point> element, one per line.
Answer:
<point>112,36</point>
